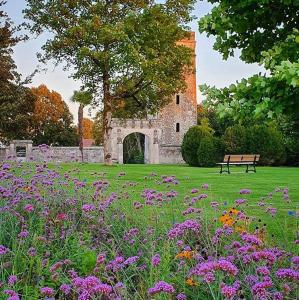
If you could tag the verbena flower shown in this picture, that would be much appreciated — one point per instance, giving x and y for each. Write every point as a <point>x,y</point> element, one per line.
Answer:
<point>161,286</point>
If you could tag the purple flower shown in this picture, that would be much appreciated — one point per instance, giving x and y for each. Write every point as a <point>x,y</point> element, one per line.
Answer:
<point>240,201</point>
<point>12,280</point>
<point>156,259</point>
<point>251,239</point>
<point>65,288</point>
<point>205,186</point>
<point>29,208</point>
<point>228,291</point>
<point>181,296</point>
<point>101,258</point>
<point>3,250</point>
<point>262,271</point>
<point>23,234</point>
<point>180,228</point>
<point>245,191</point>
<point>287,274</point>
<point>88,207</point>
<point>161,286</point>
<point>131,260</point>
<point>103,288</point>
<point>47,291</point>
<point>32,251</point>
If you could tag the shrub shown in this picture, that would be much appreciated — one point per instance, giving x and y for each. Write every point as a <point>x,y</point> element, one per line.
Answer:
<point>191,142</point>
<point>268,142</point>
<point>210,151</point>
<point>258,139</point>
<point>235,140</point>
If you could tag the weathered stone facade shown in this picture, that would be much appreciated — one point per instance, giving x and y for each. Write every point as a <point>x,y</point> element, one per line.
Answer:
<point>163,133</point>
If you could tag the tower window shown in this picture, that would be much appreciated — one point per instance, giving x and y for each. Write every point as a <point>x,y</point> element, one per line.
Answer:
<point>177,127</point>
<point>177,99</point>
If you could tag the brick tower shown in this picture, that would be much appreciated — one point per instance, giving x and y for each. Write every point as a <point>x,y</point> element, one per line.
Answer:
<point>179,115</point>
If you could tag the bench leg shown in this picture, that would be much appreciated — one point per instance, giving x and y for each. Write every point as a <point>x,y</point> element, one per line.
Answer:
<point>221,169</point>
<point>228,171</point>
<point>247,169</point>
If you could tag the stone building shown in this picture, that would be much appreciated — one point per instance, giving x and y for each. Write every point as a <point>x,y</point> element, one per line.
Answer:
<point>165,131</point>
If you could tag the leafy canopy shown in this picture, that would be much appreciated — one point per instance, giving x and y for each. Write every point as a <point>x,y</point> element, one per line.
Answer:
<point>266,32</point>
<point>129,45</point>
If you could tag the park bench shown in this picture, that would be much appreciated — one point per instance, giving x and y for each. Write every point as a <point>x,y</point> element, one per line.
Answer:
<point>239,159</point>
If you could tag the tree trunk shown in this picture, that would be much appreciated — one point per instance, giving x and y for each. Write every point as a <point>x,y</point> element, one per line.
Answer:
<point>80,129</point>
<point>107,119</point>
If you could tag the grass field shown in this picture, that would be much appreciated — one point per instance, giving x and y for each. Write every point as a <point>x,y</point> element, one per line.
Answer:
<point>223,188</point>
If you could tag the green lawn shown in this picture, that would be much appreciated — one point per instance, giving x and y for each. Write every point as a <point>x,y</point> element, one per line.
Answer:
<point>223,188</point>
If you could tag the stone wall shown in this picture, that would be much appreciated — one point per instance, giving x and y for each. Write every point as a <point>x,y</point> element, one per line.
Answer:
<point>168,154</point>
<point>68,154</point>
<point>171,155</point>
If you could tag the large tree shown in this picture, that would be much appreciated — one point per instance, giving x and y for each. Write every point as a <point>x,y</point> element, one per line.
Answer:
<point>16,101</point>
<point>125,52</point>
<point>52,120</point>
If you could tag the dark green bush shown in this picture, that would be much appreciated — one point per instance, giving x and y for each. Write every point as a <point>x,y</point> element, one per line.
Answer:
<point>268,142</point>
<point>258,139</point>
<point>210,151</point>
<point>235,140</point>
<point>191,142</point>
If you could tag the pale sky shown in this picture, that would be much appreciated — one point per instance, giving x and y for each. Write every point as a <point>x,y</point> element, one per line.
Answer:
<point>211,69</point>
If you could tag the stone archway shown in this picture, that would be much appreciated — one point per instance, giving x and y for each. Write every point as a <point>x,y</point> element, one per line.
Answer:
<point>136,148</point>
<point>123,128</point>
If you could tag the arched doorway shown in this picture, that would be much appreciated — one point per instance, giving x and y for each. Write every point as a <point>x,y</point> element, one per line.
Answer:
<point>135,148</point>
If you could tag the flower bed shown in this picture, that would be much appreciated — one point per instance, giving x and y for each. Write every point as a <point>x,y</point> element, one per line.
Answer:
<point>63,237</point>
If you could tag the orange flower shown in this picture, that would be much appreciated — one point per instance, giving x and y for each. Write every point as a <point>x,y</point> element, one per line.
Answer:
<point>226,220</point>
<point>191,282</point>
<point>233,211</point>
<point>184,254</point>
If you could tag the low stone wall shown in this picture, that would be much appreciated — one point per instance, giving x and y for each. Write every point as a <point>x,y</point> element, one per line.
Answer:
<point>171,155</point>
<point>167,154</point>
<point>68,154</point>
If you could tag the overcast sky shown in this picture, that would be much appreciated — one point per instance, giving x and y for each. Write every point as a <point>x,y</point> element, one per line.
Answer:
<point>211,69</point>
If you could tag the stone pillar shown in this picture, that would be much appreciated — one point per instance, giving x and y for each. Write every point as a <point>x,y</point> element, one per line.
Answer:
<point>120,150</point>
<point>28,151</point>
<point>146,149</point>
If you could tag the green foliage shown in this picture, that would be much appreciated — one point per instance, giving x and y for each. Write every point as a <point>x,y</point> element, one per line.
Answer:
<point>268,142</point>
<point>191,142</point>
<point>267,33</point>
<point>133,148</point>
<point>127,53</point>
<point>16,101</point>
<point>210,151</point>
<point>258,139</point>
<point>59,133</point>
<point>236,140</point>
<point>252,26</point>
<point>215,122</point>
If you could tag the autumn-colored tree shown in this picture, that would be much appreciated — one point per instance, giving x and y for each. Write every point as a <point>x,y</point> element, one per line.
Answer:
<point>87,128</point>
<point>123,51</point>
<point>48,106</point>
<point>52,119</point>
